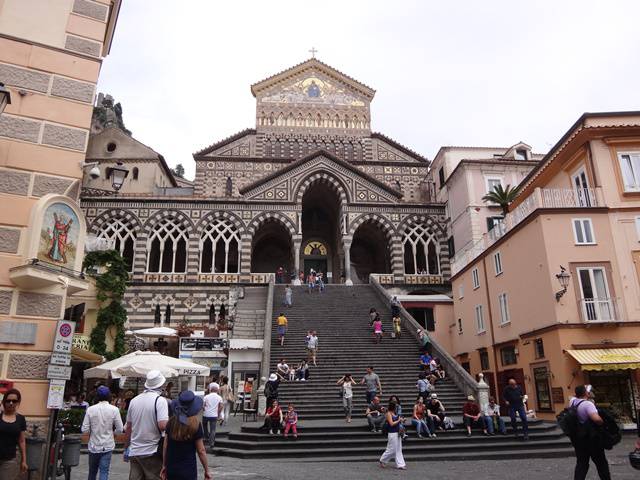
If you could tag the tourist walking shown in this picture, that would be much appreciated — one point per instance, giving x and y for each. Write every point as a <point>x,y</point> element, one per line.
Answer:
<point>372,316</point>
<point>372,381</point>
<point>377,330</point>
<point>394,442</point>
<point>586,442</point>
<point>397,329</point>
<point>12,437</point>
<point>280,274</point>
<point>311,281</point>
<point>347,384</point>
<point>395,307</point>
<point>226,392</point>
<point>492,417</point>
<point>184,440</point>
<point>101,421</point>
<point>288,296</point>
<point>395,399</point>
<point>514,399</point>
<point>146,421</point>
<point>212,411</point>
<point>291,422</point>
<point>312,347</point>
<point>271,389</point>
<point>320,282</point>
<point>282,327</point>
<point>375,414</point>
<point>425,341</point>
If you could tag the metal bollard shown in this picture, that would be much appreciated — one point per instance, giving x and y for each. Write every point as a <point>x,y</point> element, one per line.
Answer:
<point>34,452</point>
<point>71,452</point>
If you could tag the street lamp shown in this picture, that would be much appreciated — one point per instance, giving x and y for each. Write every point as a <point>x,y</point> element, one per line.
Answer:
<point>5,97</point>
<point>563,278</point>
<point>117,175</point>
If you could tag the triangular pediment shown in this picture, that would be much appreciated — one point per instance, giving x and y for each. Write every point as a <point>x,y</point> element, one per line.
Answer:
<point>330,86</point>
<point>285,184</point>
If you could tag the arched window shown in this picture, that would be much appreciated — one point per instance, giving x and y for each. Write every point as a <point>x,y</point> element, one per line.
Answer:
<point>229,187</point>
<point>212,315</point>
<point>167,247</point>
<point>220,248</point>
<point>121,237</point>
<point>134,173</point>
<point>421,250</point>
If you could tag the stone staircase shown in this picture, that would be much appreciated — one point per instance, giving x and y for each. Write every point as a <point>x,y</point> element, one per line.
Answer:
<point>250,313</point>
<point>340,318</point>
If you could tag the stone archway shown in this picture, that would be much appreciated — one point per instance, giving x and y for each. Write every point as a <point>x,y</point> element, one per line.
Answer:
<point>271,248</point>
<point>369,252</point>
<point>321,230</point>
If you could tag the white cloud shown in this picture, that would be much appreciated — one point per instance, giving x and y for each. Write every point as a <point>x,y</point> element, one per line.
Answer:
<point>446,73</point>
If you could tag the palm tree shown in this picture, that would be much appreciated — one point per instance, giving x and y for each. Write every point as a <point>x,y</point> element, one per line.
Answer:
<point>502,196</point>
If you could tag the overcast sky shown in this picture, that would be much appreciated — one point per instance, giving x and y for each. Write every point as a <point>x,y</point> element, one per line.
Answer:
<point>486,73</point>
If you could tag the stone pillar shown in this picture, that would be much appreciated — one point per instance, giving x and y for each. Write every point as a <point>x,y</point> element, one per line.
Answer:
<point>262,400</point>
<point>397,259</point>
<point>245,253</point>
<point>297,243</point>
<point>483,392</point>
<point>346,247</point>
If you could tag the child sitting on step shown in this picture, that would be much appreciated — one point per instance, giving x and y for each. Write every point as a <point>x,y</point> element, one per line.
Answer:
<point>291,422</point>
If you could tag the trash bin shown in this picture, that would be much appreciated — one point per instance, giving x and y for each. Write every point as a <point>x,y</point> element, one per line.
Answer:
<point>71,452</point>
<point>34,452</point>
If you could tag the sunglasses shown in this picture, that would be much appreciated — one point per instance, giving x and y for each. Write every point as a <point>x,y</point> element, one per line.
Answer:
<point>12,401</point>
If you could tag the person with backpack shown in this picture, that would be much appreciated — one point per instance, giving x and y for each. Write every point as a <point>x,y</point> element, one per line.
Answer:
<point>271,389</point>
<point>584,434</point>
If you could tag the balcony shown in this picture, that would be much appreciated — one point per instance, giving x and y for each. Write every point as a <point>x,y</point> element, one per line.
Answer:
<point>36,275</point>
<point>601,310</point>
<point>540,198</point>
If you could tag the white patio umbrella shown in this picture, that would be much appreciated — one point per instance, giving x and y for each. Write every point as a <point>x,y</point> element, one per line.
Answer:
<point>138,364</point>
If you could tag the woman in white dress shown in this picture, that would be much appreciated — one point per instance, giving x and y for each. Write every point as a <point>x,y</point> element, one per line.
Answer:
<point>394,442</point>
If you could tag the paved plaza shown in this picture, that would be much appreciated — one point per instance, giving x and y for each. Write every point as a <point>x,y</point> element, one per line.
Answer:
<point>533,469</point>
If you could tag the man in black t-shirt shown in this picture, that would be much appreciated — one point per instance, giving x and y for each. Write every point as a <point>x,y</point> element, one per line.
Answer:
<point>12,428</point>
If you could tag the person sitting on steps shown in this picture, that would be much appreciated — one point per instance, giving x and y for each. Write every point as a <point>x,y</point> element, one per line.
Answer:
<point>375,414</point>
<point>273,418</point>
<point>472,416</point>
<point>302,372</point>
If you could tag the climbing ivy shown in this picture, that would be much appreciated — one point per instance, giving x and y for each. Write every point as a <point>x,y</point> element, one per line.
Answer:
<point>110,288</point>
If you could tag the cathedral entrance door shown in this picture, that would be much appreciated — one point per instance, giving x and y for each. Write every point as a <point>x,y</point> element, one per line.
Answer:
<point>318,265</point>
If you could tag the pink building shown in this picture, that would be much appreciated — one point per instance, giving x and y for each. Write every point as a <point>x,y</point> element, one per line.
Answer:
<point>551,296</point>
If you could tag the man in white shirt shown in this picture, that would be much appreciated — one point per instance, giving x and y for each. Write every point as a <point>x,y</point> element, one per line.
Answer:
<point>101,420</point>
<point>492,417</point>
<point>284,371</point>
<point>212,408</point>
<point>312,347</point>
<point>146,420</point>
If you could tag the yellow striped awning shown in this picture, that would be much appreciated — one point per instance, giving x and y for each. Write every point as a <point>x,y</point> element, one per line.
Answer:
<point>607,358</point>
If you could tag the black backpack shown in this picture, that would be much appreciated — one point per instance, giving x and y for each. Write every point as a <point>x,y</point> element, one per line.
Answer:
<point>610,431</point>
<point>568,420</point>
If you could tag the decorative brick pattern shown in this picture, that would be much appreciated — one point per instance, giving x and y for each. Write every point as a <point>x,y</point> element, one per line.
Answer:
<point>65,87</point>
<point>16,183</point>
<point>28,366</point>
<point>19,128</point>
<point>9,240</point>
<point>90,9</point>
<point>64,137</point>
<point>39,304</point>
<point>5,301</point>
<point>23,78</point>
<point>81,45</point>
<point>44,184</point>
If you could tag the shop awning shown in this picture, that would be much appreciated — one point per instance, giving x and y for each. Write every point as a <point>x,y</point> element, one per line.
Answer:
<point>607,358</point>
<point>82,355</point>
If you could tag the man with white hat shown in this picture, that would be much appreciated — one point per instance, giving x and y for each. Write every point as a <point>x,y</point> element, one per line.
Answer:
<point>146,420</point>
<point>212,407</point>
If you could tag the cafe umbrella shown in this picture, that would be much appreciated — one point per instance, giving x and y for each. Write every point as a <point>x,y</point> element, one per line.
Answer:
<point>138,364</point>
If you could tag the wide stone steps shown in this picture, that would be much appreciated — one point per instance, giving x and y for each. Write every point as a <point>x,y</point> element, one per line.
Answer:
<point>340,318</point>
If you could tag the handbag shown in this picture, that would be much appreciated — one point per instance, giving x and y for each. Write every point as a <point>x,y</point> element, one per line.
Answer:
<point>160,449</point>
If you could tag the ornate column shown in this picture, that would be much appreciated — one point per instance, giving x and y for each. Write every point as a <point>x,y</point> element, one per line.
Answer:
<point>297,243</point>
<point>346,247</point>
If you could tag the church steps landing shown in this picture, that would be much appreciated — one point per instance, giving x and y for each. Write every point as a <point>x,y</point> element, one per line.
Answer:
<point>340,316</point>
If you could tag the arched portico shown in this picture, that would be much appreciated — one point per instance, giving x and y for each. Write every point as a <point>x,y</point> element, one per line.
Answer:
<point>370,251</point>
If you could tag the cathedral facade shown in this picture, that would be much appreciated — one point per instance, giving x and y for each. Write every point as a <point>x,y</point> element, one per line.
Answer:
<point>310,186</point>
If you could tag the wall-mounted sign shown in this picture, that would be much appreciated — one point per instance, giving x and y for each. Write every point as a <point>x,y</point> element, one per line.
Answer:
<point>63,359</point>
<point>55,399</point>
<point>58,372</point>
<point>63,340</point>
<point>202,344</point>
<point>81,341</point>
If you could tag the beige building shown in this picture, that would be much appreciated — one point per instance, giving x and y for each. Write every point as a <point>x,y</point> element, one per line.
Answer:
<point>461,176</point>
<point>552,295</point>
<point>50,59</point>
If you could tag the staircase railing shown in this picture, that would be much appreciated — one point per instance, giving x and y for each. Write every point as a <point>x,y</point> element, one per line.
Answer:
<point>266,348</point>
<point>465,382</point>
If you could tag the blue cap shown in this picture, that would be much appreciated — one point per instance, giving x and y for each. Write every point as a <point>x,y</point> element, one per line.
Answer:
<point>103,392</point>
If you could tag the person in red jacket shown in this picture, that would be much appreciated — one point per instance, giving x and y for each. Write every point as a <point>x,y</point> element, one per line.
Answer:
<point>472,416</point>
